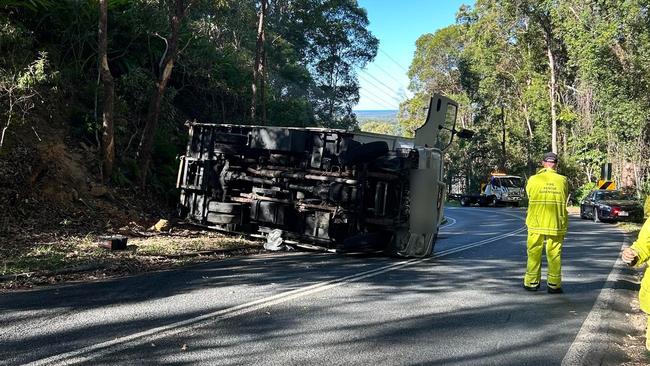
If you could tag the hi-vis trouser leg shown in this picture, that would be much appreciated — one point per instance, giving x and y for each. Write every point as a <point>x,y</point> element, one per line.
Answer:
<point>535,244</point>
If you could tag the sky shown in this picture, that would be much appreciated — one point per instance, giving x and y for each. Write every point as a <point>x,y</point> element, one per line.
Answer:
<point>397,25</point>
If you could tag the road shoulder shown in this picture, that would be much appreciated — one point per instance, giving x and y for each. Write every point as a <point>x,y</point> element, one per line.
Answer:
<point>613,333</point>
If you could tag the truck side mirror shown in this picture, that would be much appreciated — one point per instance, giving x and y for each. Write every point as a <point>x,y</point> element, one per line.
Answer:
<point>465,134</point>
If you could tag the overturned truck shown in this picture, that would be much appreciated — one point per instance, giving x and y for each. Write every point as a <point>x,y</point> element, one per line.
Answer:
<point>329,188</point>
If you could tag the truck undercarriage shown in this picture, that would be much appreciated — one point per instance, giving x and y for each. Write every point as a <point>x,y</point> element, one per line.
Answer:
<point>331,188</point>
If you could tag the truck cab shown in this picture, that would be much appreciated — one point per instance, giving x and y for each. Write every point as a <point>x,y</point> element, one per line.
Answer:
<point>505,189</point>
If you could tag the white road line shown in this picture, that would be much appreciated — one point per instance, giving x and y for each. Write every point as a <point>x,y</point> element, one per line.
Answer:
<point>477,244</point>
<point>448,223</point>
<point>589,336</point>
<point>103,348</point>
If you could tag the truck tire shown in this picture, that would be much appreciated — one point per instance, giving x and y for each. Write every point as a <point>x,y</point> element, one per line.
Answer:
<point>363,242</point>
<point>222,219</point>
<point>224,207</point>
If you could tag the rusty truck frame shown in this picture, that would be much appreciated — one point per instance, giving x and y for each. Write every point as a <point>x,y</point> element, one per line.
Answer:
<point>334,189</point>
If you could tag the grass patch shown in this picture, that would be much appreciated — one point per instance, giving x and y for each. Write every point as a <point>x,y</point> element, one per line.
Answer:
<point>140,255</point>
<point>161,246</point>
<point>66,253</point>
<point>631,228</point>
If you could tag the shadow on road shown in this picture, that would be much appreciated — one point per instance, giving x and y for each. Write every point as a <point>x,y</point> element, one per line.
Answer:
<point>471,297</point>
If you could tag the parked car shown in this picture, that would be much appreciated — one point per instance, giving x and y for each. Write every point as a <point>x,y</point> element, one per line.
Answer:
<point>604,205</point>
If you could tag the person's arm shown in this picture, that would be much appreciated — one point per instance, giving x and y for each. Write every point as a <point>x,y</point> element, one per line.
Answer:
<point>640,249</point>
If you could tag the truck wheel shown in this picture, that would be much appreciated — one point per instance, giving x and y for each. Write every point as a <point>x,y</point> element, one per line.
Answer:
<point>398,242</point>
<point>596,218</point>
<point>222,219</point>
<point>224,207</point>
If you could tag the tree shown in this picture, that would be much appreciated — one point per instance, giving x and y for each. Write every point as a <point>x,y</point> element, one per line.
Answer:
<point>108,139</point>
<point>336,41</point>
<point>19,91</point>
<point>177,11</point>
<point>260,60</point>
<point>384,128</point>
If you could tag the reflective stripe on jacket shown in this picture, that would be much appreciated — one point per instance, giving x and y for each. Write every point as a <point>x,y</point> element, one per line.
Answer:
<point>642,246</point>
<point>547,197</point>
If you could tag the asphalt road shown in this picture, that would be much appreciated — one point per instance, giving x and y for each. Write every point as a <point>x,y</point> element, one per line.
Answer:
<point>464,306</point>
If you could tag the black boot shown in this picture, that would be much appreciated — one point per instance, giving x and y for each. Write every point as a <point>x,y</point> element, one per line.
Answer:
<point>551,289</point>
<point>531,288</point>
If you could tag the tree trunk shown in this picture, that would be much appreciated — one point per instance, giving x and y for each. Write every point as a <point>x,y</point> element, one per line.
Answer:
<point>263,80</point>
<point>176,15</point>
<point>503,138</point>
<point>552,90</point>
<point>258,70</point>
<point>108,140</point>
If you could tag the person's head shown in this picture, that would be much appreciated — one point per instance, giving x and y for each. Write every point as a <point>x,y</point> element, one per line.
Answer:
<point>549,160</point>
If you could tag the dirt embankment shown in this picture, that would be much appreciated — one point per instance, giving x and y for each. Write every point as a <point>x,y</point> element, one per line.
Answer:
<point>53,208</point>
<point>52,188</point>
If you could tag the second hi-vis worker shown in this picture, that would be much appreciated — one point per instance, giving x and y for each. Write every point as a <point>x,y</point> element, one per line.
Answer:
<point>636,255</point>
<point>547,222</point>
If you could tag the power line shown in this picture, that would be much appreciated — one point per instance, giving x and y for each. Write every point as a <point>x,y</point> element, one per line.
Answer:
<point>390,101</point>
<point>380,104</point>
<point>379,81</point>
<point>367,91</point>
<point>394,61</point>
<point>379,87</point>
<point>388,74</point>
<point>378,97</point>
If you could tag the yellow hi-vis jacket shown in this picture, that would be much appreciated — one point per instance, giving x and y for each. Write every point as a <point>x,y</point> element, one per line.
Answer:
<point>547,198</point>
<point>642,246</point>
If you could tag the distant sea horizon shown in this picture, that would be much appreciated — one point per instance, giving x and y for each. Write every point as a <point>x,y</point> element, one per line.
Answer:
<point>386,115</point>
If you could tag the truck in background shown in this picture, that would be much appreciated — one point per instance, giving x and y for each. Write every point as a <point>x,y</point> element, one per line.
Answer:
<point>334,189</point>
<point>500,189</point>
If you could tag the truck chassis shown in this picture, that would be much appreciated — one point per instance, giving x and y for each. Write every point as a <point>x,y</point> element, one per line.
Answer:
<point>335,189</point>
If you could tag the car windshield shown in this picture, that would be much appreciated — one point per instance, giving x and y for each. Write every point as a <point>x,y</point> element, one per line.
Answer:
<point>510,182</point>
<point>613,195</point>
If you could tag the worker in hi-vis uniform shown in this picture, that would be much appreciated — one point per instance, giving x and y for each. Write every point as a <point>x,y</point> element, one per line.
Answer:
<point>547,223</point>
<point>636,255</point>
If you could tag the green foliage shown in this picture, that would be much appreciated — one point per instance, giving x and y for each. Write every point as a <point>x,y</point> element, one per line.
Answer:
<point>34,74</point>
<point>336,41</point>
<point>383,128</point>
<point>581,192</point>
<point>495,61</point>
<point>312,51</point>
